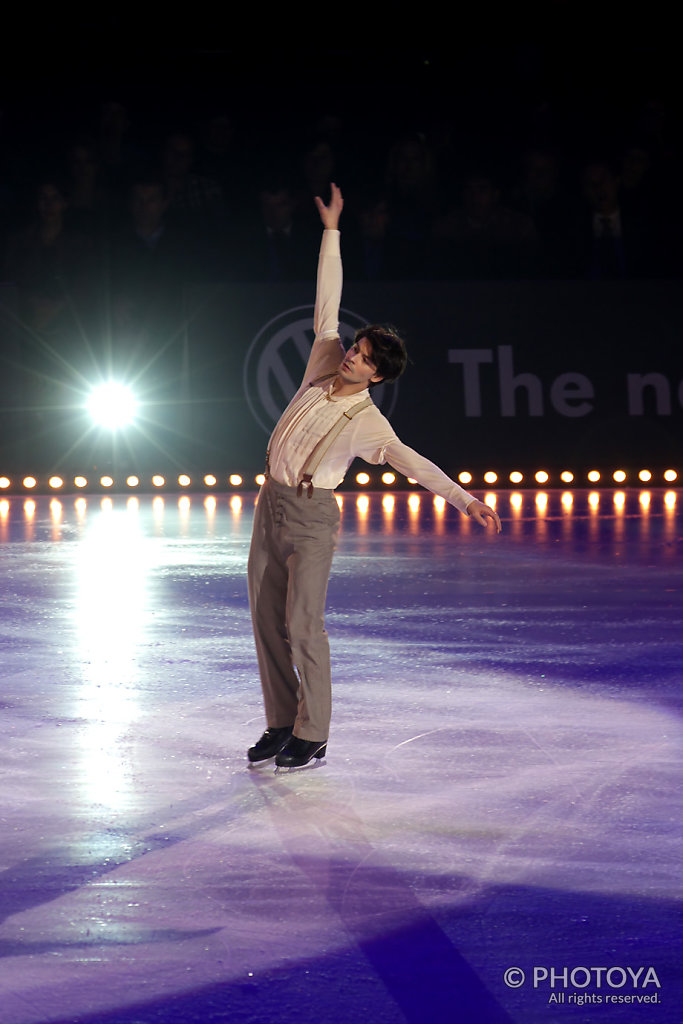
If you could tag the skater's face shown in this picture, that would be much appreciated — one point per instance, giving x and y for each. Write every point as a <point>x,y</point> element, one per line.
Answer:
<point>357,366</point>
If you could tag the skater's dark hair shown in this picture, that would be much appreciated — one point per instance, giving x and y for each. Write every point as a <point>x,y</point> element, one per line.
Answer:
<point>388,350</point>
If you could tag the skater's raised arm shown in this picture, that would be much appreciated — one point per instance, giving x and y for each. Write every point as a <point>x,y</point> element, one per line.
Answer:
<point>331,213</point>
<point>327,348</point>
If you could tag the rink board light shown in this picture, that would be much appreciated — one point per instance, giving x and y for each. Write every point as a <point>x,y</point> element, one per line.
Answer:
<point>99,481</point>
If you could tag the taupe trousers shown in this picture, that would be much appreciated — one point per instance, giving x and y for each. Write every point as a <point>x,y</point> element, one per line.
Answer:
<point>292,545</point>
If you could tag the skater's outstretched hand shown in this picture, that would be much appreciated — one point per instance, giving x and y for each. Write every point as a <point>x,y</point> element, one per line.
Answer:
<point>482,513</point>
<point>331,213</point>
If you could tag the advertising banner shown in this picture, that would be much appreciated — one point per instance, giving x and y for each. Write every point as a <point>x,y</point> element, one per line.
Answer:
<point>501,375</point>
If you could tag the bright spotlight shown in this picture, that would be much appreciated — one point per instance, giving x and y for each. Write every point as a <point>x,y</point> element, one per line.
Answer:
<point>112,405</point>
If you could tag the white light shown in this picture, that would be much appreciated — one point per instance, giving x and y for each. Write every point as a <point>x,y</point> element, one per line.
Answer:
<point>112,405</point>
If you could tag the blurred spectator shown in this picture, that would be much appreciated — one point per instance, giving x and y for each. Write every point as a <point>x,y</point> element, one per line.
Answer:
<point>221,159</point>
<point>539,194</point>
<point>368,252</point>
<point>89,197</point>
<point>482,238</point>
<point>411,184</point>
<point>151,258</point>
<point>119,152</point>
<point>195,203</point>
<point>372,251</point>
<point>49,261</point>
<point>274,243</point>
<point>188,192</point>
<point>613,241</point>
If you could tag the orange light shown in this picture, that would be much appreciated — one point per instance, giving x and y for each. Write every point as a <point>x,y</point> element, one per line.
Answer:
<point>542,477</point>
<point>619,476</point>
<point>4,482</point>
<point>362,479</point>
<point>670,475</point>
<point>235,479</point>
<point>567,477</point>
<point>184,480</point>
<point>490,477</point>
<point>594,476</point>
<point>388,478</point>
<point>516,477</point>
<point>465,477</point>
<point>29,482</point>
<point>133,481</point>
<point>106,481</point>
<point>80,481</point>
<point>158,481</point>
<point>260,479</point>
<point>210,480</point>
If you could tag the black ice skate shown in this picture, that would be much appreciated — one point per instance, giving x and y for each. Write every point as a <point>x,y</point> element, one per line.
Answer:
<point>298,753</point>
<point>272,741</point>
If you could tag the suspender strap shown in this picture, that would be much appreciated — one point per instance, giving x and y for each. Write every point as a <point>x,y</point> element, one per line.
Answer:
<point>325,443</point>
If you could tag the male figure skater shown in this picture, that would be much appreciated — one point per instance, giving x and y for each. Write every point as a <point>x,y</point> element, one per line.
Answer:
<point>329,422</point>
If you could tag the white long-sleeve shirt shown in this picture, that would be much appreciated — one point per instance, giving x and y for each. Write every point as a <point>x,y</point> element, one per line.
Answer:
<point>313,410</point>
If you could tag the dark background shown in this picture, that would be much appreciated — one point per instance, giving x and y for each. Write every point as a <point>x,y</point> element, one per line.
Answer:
<point>475,92</point>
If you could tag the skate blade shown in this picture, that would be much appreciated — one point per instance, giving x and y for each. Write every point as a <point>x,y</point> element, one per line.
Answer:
<point>257,765</point>
<point>315,762</point>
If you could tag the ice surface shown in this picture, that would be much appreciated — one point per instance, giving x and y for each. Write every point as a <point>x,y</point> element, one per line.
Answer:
<point>502,787</point>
